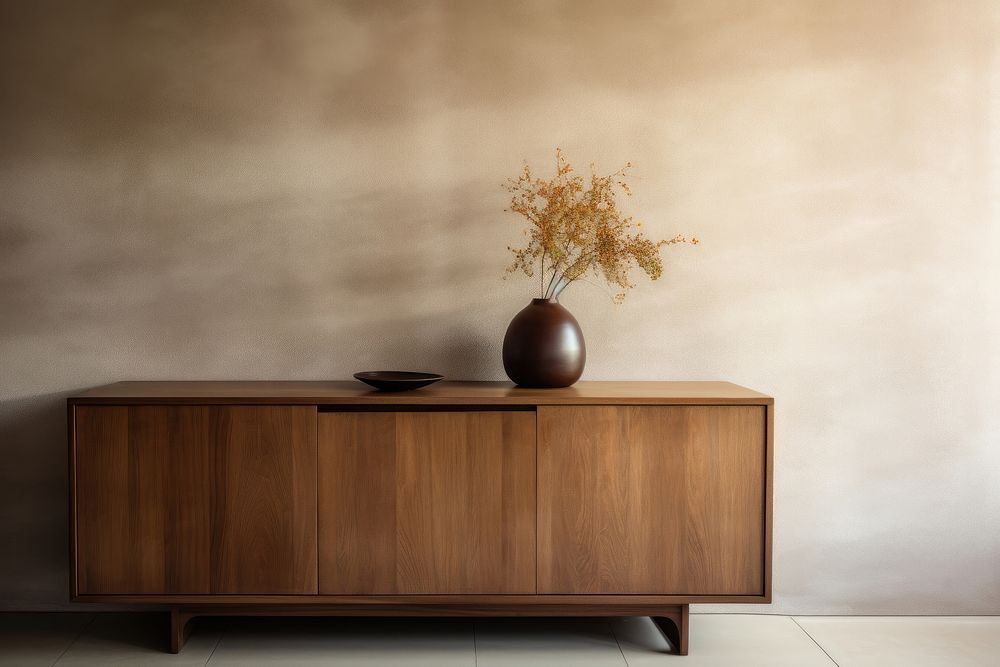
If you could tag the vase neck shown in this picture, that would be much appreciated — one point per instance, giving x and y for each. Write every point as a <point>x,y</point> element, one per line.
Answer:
<point>541,300</point>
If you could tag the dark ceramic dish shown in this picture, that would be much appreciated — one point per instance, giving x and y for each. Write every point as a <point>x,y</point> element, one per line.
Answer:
<point>397,380</point>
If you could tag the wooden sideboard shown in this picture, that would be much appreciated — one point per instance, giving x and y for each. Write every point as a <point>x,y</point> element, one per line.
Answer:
<point>463,498</point>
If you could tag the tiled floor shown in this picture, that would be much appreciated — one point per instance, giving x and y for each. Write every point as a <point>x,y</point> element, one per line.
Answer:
<point>717,640</point>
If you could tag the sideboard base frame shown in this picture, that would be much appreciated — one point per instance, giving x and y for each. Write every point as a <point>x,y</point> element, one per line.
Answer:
<point>671,620</point>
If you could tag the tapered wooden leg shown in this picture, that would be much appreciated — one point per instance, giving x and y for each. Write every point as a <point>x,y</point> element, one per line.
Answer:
<point>673,623</point>
<point>180,629</point>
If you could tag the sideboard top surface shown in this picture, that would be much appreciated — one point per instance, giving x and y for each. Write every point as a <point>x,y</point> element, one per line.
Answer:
<point>442,393</point>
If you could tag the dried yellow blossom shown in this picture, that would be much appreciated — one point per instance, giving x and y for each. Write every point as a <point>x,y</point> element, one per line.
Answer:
<point>575,230</point>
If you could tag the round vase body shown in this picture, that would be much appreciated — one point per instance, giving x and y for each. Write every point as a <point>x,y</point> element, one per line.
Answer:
<point>544,346</point>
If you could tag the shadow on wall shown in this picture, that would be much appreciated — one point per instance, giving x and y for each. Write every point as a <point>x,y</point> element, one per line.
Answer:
<point>34,501</point>
<point>260,271</point>
<point>137,320</point>
<point>194,286</point>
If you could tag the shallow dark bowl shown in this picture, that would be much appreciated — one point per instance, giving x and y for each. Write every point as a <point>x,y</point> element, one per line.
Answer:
<point>397,380</point>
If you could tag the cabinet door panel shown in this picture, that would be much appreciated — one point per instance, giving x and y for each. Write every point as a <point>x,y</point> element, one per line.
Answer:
<point>651,500</point>
<point>427,502</point>
<point>264,500</point>
<point>143,484</point>
<point>196,500</point>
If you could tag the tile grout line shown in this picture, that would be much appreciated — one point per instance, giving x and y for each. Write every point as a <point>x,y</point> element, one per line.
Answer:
<point>615,636</point>
<point>76,638</point>
<point>814,641</point>
<point>225,626</point>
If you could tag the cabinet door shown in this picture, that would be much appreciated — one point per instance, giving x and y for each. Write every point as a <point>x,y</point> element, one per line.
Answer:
<point>195,499</point>
<point>426,502</point>
<point>651,500</point>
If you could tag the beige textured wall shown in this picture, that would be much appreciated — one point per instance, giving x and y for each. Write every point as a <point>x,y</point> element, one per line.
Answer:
<point>305,189</point>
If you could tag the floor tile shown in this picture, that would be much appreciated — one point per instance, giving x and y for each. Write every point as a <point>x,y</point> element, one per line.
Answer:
<point>139,639</point>
<point>913,641</point>
<point>718,640</point>
<point>27,640</point>
<point>371,642</point>
<point>527,642</point>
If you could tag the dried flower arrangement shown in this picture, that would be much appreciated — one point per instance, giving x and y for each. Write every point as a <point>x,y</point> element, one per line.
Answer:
<point>575,230</point>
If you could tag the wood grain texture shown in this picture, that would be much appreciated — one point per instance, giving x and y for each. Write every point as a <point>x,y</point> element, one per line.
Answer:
<point>650,500</point>
<point>442,393</point>
<point>264,500</point>
<point>143,476</point>
<point>73,560</point>
<point>105,562</point>
<point>194,500</point>
<point>427,502</point>
<point>357,502</point>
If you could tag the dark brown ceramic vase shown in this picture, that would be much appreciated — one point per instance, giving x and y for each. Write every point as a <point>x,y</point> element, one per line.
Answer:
<point>544,346</point>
